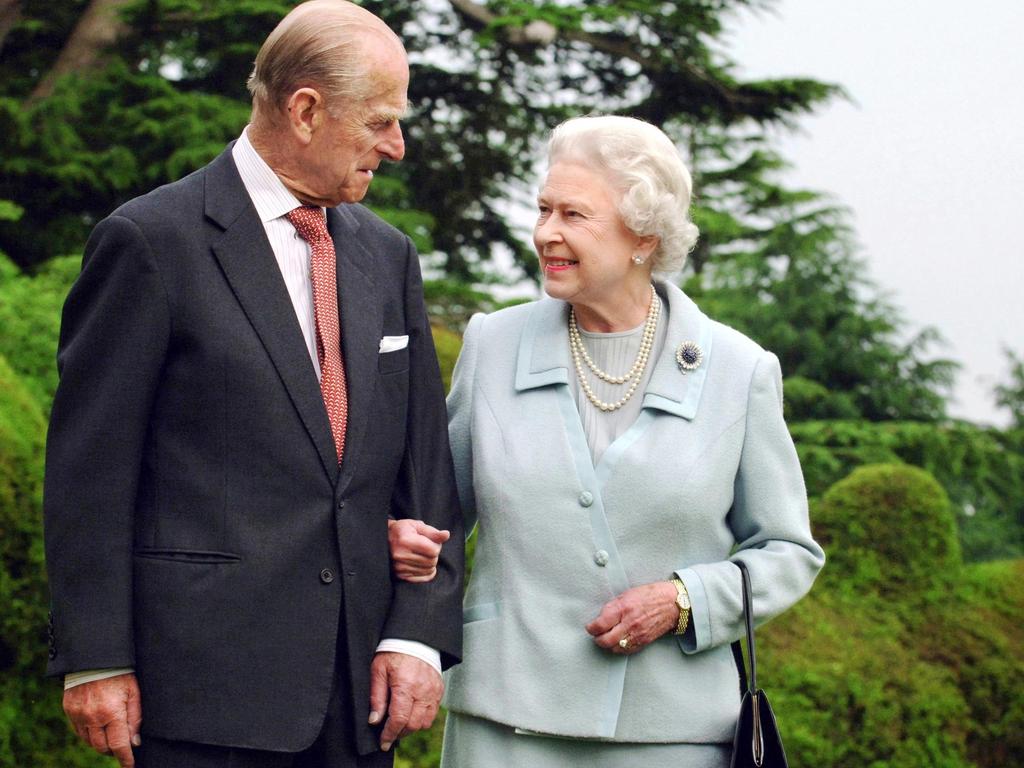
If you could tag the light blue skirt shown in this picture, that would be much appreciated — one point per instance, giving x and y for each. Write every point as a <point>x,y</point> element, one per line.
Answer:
<point>472,742</point>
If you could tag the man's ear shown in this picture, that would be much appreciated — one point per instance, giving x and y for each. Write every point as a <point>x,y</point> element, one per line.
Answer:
<point>305,111</point>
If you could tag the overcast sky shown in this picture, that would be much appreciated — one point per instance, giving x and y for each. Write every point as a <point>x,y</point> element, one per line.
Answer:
<point>929,156</point>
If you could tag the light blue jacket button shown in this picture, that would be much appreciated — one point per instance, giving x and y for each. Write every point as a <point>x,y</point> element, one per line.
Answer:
<point>586,499</point>
<point>601,557</point>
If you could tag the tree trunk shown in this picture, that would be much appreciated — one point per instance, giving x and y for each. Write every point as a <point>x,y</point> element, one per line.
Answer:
<point>10,14</point>
<point>99,27</point>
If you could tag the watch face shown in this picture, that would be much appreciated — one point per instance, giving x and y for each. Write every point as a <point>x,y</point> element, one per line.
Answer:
<point>682,597</point>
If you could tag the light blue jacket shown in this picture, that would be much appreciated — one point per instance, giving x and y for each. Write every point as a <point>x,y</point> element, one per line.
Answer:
<point>707,468</point>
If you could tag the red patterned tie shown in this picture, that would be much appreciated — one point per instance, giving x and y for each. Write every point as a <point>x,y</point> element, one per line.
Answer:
<point>310,224</point>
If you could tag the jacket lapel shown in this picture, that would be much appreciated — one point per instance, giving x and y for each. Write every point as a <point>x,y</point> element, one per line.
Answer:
<point>543,356</point>
<point>670,389</point>
<point>248,263</point>
<point>361,322</point>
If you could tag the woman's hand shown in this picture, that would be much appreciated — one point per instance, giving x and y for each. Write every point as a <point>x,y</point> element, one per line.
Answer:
<point>641,615</point>
<point>415,547</point>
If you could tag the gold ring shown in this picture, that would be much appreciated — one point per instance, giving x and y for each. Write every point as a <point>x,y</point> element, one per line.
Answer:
<point>624,643</point>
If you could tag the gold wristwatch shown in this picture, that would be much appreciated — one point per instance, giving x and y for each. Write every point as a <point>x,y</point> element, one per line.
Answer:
<point>683,601</point>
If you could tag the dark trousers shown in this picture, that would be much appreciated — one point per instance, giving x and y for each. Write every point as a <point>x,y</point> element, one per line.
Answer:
<point>334,748</point>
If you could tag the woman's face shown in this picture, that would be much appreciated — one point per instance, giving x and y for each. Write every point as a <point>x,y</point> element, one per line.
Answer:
<point>585,250</point>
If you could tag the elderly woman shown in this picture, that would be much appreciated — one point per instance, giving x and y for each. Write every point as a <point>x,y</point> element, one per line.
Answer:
<point>618,451</point>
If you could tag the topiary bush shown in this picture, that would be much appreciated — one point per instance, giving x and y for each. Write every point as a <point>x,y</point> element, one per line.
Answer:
<point>888,528</point>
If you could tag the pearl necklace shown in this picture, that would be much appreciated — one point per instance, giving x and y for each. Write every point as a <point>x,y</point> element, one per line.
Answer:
<point>633,375</point>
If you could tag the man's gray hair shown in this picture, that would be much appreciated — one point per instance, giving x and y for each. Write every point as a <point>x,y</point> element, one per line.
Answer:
<point>643,164</point>
<point>321,44</point>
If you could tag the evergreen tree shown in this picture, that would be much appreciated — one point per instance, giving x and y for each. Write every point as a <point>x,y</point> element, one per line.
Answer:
<point>781,265</point>
<point>161,92</point>
<point>1010,394</point>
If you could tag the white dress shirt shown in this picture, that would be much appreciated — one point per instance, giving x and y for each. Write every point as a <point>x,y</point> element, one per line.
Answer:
<point>273,201</point>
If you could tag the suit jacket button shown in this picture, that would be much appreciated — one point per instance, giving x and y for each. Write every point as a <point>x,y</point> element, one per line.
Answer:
<point>586,499</point>
<point>601,557</point>
<point>326,575</point>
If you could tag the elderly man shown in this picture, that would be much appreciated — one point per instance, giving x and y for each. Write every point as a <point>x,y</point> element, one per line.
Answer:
<point>248,393</point>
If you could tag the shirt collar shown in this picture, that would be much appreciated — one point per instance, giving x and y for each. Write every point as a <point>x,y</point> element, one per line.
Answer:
<point>269,195</point>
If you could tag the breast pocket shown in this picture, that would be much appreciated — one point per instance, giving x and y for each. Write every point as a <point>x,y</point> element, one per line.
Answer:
<point>396,361</point>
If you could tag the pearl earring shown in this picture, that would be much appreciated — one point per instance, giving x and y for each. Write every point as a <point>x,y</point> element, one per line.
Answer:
<point>638,259</point>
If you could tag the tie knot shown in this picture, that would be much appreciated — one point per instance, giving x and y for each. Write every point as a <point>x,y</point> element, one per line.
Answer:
<point>309,222</point>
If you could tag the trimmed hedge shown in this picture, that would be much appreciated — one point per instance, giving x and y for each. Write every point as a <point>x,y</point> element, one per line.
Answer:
<point>901,657</point>
<point>888,528</point>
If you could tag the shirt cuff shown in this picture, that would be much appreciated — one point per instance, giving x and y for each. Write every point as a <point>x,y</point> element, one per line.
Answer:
<point>71,679</point>
<point>411,648</point>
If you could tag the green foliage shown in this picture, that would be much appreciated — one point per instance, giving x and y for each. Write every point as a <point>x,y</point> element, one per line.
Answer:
<point>96,143</point>
<point>30,322</point>
<point>9,211</point>
<point>21,440</point>
<point>888,529</point>
<point>450,303</point>
<point>1010,394</point>
<point>982,471</point>
<point>32,728</point>
<point>422,749</point>
<point>875,668</point>
<point>447,345</point>
<point>807,399</point>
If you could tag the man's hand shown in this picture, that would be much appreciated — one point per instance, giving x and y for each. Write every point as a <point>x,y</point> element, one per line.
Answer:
<point>415,547</point>
<point>106,714</point>
<point>408,689</point>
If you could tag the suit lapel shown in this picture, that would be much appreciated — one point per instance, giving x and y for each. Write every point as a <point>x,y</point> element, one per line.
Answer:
<point>361,322</point>
<point>252,271</point>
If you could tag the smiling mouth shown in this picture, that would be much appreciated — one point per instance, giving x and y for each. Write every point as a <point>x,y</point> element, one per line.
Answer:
<point>559,265</point>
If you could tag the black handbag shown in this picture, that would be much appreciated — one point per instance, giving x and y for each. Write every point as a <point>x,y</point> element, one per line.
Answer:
<point>757,743</point>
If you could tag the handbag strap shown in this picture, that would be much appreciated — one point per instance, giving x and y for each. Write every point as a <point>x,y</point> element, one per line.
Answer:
<point>737,648</point>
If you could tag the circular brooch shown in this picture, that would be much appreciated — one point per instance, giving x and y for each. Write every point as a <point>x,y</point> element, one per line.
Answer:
<point>689,356</point>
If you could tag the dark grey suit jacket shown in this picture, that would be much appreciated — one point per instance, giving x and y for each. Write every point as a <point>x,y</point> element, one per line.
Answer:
<point>197,525</point>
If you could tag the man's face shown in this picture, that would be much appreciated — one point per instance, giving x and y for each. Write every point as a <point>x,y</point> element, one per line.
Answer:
<point>352,142</point>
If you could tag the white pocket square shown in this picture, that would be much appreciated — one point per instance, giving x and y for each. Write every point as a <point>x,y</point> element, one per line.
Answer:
<point>393,343</point>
